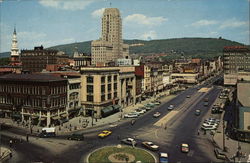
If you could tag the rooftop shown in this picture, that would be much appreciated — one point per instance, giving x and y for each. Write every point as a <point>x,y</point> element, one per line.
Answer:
<point>31,77</point>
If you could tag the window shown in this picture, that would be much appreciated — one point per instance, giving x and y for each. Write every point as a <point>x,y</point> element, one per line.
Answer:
<point>103,79</point>
<point>103,98</point>
<point>90,98</point>
<point>115,94</point>
<point>90,79</point>
<point>109,87</point>
<point>115,86</point>
<point>103,88</point>
<point>90,89</point>
<point>109,96</point>
<point>109,78</point>
<point>115,78</point>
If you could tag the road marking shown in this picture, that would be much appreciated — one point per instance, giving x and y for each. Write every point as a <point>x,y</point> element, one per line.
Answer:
<point>166,118</point>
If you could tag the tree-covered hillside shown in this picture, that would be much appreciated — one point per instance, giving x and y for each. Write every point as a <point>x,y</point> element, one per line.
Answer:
<point>195,47</point>
<point>186,46</point>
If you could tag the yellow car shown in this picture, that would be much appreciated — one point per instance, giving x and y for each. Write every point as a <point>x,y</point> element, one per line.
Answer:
<point>104,134</point>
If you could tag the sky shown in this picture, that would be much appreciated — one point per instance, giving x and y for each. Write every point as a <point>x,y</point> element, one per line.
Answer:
<point>56,22</point>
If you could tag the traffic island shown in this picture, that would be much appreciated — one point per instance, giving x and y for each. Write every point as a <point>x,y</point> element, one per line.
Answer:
<point>120,154</point>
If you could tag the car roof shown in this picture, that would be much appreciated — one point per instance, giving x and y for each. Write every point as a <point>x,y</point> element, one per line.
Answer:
<point>131,139</point>
<point>184,145</point>
<point>163,155</point>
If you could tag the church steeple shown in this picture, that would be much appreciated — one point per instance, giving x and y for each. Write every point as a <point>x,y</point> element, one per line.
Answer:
<point>14,47</point>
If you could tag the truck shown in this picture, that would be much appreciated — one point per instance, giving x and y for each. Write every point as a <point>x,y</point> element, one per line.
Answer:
<point>48,132</point>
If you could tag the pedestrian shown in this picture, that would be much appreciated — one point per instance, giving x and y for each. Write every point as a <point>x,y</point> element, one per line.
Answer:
<point>27,137</point>
<point>198,132</point>
<point>79,120</point>
<point>10,143</point>
<point>165,127</point>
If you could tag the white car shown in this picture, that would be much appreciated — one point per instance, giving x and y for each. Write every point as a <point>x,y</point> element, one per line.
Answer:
<point>208,127</point>
<point>140,111</point>
<point>171,107</point>
<point>210,124</point>
<point>157,114</point>
<point>131,115</point>
<point>150,145</point>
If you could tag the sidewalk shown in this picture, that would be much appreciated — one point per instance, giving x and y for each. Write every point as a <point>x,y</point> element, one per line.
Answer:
<point>81,123</point>
<point>231,145</point>
<point>5,153</point>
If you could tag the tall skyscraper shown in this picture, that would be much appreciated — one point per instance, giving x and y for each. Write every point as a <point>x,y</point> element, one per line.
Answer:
<point>110,46</point>
<point>14,50</point>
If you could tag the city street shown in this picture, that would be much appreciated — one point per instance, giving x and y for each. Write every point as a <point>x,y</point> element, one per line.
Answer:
<point>166,131</point>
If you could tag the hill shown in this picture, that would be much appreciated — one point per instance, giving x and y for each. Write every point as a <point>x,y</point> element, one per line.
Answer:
<point>179,46</point>
<point>195,47</point>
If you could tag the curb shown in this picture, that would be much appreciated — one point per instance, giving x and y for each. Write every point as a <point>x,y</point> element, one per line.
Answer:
<point>87,158</point>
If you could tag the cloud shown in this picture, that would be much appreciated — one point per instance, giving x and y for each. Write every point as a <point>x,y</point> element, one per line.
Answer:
<point>144,20</point>
<point>204,23</point>
<point>98,13</point>
<point>66,4</point>
<point>149,35</point>
<point>233,23</point>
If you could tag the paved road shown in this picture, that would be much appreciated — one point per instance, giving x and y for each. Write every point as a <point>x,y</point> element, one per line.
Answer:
<point>181,128</point>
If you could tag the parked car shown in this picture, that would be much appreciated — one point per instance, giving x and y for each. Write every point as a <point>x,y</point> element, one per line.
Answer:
<point>188,96</point>
<point>184,148</point>
<point>157,114</point>
<point>170,107</point>
<point>150,145</point>
<point>129,141</point>
<point>78,137</point>
<point>157,102</point>
<point>140,111</point>
<point>205,104</point>
<point>220,154</point>
<point>131,115</point>
<point>104,134</point>
<point>216,110</point>
<point>208,127</point>
<point>197,112</point>
<point>163,157</point>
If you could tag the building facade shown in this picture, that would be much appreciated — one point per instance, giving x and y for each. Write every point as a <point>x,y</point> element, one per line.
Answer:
<point>33,99</point>
<point>36,60</point>
<point>236,64</point>
<point>99,90</point>
<point>110,46</point>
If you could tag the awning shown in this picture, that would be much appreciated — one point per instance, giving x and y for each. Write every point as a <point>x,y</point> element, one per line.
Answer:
<point>107,109</point>
<point>116,107</point>
<point>63,115</point>
<point>55,118</point>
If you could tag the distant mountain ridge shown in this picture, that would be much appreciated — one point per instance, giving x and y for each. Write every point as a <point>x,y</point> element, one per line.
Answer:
<point>182,46</point>
<point>185,46</point>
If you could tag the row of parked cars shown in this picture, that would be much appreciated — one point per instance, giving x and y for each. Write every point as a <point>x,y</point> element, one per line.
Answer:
<point>210,124</point>
<point>142,110</point>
